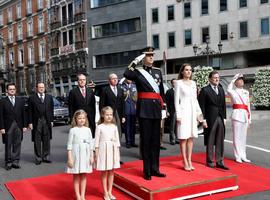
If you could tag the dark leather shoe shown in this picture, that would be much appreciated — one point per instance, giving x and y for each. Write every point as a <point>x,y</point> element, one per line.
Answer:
<point>147,177</point>
<point>158,174</point>
<point>134,145</point>
<point>15,166</point>
<point>128,146</point>
<point>38,162</point>
<point>211,165</point>
<point>46,161</point>
<point>172,143</point>
<point>8,167</point>
<point>162,148</point>
<point>222,166</point>
<point>121,162</point>
<point>176,142</point>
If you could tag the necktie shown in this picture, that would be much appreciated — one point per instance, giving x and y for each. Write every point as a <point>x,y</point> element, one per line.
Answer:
<point>83,92</point>
<point>115,91</point>
<point>42,98</point>
<point>12,100</point>
<point>216,89</point>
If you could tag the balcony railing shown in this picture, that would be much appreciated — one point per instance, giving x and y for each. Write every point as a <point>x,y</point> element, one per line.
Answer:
<point>79,16</point>
<point>80,45</point>
<point>54,51</point>
<point>19,37</point>
<point>55,25</point>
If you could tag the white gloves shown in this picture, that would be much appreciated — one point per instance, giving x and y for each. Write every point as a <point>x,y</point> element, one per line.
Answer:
<point>138,59</point>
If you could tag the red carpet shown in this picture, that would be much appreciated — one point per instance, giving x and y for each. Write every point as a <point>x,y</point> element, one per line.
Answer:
<point>251,179</point>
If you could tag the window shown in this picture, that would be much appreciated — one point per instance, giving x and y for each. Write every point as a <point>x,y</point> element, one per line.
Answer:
<point>222,5</point>
<point>264,1</point>
<point>156,41</point>
<point>40,24</point>
<point>31,55</point>
<point>100,3</point>
<point>187,9</point>
<point>188,37</point>
<point>11,56</point>
<point>265,26</point>
<point>41,51</point>
<point>171,40</point>
<point>64,38</point>
<point>170,13</point>
<point>10,35</point>
<point>20,57</point>
<point>29,28</point>
<point>243,29</point>
<point>117,28</point>
<point>1,19</point>
<point>18,11</point>
<point>205,33</point>
<point>114,59</point>
<point>19,31</point>
<point>242,3</point>
<point>29,7</point>
<point>155,15</point>
<point>224,32</point>
<point>70,36</point>
<point>204,7</point>
<point>40,4</point>
<point>10,14</point>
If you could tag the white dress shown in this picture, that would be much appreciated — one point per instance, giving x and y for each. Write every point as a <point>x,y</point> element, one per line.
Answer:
<point>187,109</point>
<point>107,142</point>
<point>80,143</point>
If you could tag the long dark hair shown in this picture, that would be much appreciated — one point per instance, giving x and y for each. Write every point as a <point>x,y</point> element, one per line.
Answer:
<point>180,75</point>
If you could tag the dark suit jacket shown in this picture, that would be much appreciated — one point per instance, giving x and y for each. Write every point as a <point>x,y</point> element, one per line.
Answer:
<point>170,101</point>
<point>10,113</point>
<point>147,108</point>
<point>108,98</point>
<point>212,106</point>
<point>35,108</point>
<point>76,101</point>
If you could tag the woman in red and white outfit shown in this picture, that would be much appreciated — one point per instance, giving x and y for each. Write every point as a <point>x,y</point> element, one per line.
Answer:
<point>241,116</point>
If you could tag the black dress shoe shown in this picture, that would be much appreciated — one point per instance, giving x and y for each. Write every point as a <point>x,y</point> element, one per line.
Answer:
<point>134,145</point>
<point>128,146</point>
<point>38,162</point>
<point>222,166</point>
<point>172,143</point>
<point>162,148</point>
<point>158,174</point>
<point>46,161</point>
<point>15,166</point>
<point>121,162</point>
<point>147,177</point>
<point>211,165</point>
<point>8,167</point>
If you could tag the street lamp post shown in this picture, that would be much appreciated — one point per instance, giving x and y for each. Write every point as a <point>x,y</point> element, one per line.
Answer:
<point>208,51</point>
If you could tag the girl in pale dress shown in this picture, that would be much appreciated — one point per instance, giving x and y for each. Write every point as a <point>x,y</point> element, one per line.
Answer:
<point>188,113</point>
<point>107,153</point>
<point>80,152</point>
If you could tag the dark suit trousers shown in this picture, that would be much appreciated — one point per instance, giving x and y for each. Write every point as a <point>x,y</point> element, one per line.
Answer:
<point>13,139</point>
<point>150,139</point>
<point>216,137</point>
<point>42,140</point>
<point>130,129</point>
<point>172,127</point>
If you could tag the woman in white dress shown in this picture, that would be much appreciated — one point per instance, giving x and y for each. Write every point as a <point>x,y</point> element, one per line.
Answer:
<point>188,113</point>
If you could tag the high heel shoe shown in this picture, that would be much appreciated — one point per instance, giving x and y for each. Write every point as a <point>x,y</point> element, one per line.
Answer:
<point>192,168</point>
<point>112,197</point>
<point>186,168</point>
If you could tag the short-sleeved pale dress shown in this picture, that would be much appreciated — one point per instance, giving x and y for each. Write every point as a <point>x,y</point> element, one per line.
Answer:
<point>107,142</point>
<point>80,143</point>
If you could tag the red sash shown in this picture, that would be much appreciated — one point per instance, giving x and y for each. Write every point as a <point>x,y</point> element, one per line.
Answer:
<point>151,95</point>
<point>241,106</point>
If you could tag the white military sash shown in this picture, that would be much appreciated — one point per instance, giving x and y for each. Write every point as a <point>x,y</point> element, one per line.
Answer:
<point>150,79</point>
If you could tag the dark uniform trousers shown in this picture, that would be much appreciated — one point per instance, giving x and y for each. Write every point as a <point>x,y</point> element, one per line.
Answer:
<point>150,144</point>
<point>130,129</point>
<point>42,140</point>
<point>216,138</point>
<point>13,139</point>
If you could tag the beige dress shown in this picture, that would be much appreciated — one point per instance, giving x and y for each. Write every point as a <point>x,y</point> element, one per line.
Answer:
<point>107,142</point>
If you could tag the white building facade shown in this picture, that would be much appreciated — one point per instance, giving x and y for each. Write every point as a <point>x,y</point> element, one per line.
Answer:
<point>242,26</point>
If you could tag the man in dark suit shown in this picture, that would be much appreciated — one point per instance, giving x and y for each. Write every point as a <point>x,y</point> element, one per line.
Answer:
<point>41,122</point>
<point>149,83</point>
<point>12,125</point>
<point>212,103</point>
<point>82,97</point>
<point>113,96</point>
<point>171,110</point>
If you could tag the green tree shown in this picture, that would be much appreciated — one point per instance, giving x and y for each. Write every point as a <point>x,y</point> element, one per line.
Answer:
<point>200,76</point>
<point>261,89</point>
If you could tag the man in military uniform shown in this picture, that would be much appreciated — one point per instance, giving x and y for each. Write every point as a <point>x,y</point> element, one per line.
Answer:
<point>149,83</point>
